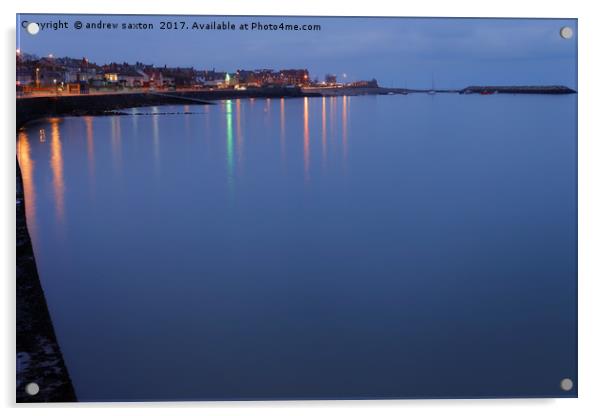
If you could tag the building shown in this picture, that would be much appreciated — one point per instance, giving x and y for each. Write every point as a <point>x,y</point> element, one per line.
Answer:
<point>214,78</point>
<point>366,84</point>
<point>295,77</point>
<point>132,78</point>
<point>154,77</point>
<point>111,77</point>
<point>49,77</point>
<point>169,82</point>
<point>86,72</point>
<point>180,77</point>
<point>24,76</point>
<point>266,77</point>
<point>330,79</point>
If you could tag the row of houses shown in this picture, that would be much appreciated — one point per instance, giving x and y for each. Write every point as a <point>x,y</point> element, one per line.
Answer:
<point>260,77</point>
<point>47,72</point>
<point>136,78</point>
<point>50,72</point>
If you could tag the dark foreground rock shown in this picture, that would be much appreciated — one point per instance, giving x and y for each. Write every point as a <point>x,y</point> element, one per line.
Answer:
<point>39,358</point>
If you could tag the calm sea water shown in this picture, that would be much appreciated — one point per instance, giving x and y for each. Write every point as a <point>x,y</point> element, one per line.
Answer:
<point>350,247</point>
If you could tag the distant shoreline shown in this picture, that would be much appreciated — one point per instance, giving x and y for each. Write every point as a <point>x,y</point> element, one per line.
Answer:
<point>34,107</point>
<point>474,89</point>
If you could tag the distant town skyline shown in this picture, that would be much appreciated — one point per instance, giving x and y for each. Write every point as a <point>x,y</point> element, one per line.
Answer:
<point>415,52</point>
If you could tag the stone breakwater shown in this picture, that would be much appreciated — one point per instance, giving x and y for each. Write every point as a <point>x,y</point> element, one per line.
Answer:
<point>518,89</point>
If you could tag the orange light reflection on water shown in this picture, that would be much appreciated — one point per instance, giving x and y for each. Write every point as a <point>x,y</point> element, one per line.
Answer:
<point>56,165</point>
<point>282,131</point>
<point>90,144</point>
<point>27,166</point>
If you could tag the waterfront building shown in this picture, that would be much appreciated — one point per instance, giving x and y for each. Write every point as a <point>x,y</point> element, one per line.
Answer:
<point>295,77</point>
<point>24,76</point>
<point>132,78</point>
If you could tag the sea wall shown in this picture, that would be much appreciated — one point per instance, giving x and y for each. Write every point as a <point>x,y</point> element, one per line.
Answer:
<point>39,357</point>
<point>31,108</point>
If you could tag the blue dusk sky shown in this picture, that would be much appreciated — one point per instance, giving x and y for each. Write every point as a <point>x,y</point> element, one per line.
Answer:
<point>398,52</point>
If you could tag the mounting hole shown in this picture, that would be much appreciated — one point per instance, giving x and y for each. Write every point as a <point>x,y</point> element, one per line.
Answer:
<point>566,384</point>
<point>32,389</point>
<point>33,28</point>
<point>566,32</point>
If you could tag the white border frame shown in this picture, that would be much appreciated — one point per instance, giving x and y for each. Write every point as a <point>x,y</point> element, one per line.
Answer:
<point>590,201</point>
